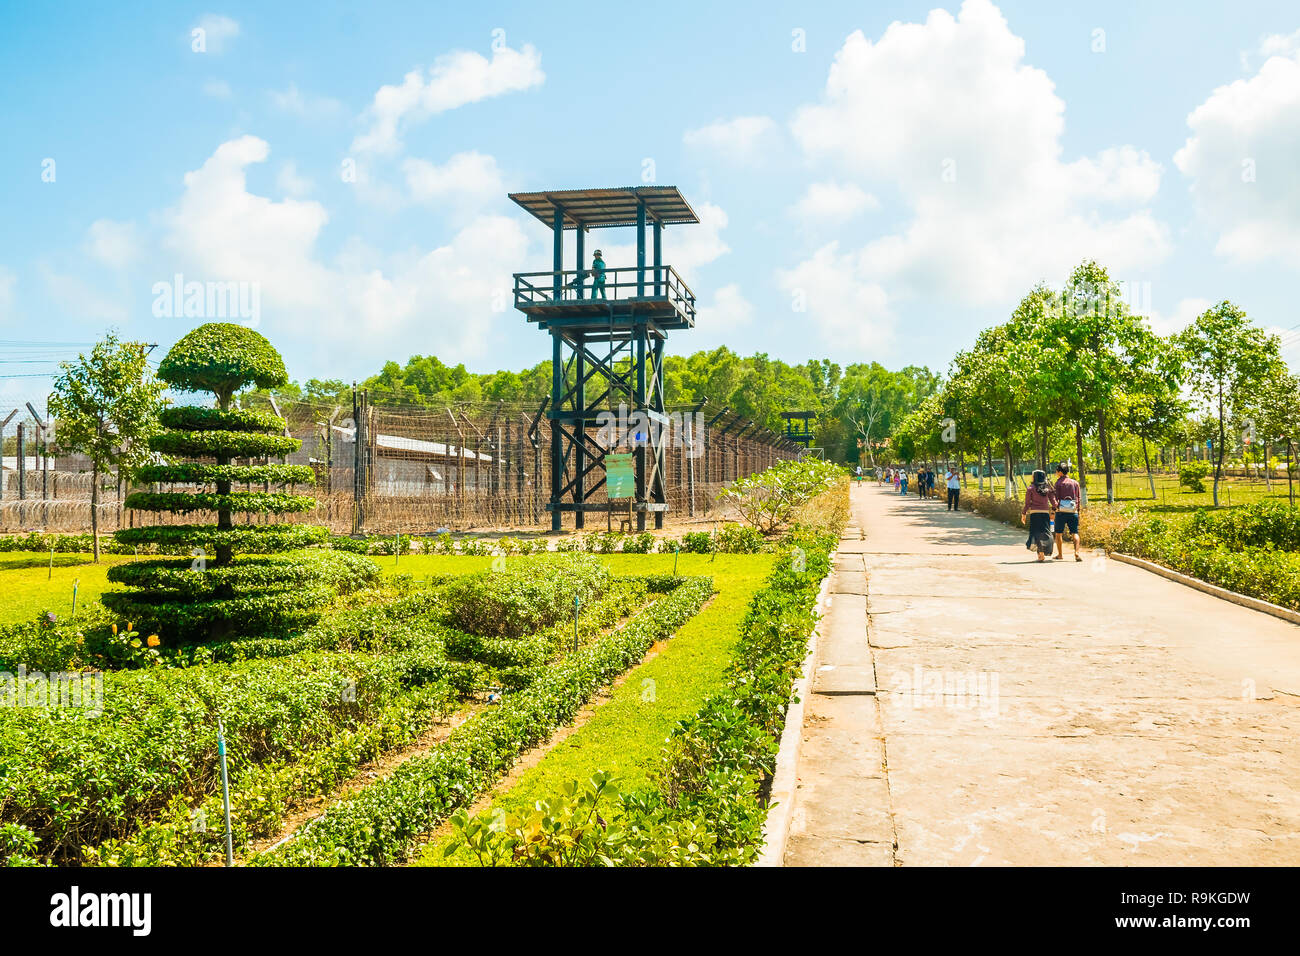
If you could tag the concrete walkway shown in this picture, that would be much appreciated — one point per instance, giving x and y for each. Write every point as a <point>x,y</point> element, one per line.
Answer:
<point>973,707</point>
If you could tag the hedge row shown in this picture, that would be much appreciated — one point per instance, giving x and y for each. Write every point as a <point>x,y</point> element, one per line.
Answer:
<point>710,802</point>
<point>262,795</point>
<point>381,823</point>
<point>74,779</point>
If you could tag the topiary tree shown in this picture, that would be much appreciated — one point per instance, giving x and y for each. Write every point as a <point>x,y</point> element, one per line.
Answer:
<point>227,595</point>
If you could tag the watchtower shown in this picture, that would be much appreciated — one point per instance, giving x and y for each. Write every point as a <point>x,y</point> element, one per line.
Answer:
<point>797,428</point>
<point>607,342</point>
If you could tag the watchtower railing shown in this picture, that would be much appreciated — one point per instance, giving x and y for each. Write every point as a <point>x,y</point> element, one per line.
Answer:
<point>626,283</point>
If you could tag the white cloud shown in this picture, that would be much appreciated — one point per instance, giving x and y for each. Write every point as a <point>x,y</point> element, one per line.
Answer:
<point>361,302</point>
<point>293,101</point>
<point>466,178</point>
<point>847,307</point>
<point>115,244</point>
<point>1241,157</point>
<point>217,30</point>
<point>833,203</point>
<point>454,80</point>
<point>1279,44</point>
<point>217,89</point>
<point>949,115</point>
<point>728,311</point>
<point>739,137</point>
<point>290,182</point>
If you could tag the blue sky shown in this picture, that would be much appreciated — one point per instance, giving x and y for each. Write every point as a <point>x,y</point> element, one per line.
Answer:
<point>877,181</point>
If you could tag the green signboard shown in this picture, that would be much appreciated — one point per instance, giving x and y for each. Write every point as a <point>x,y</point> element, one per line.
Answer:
<point>620,477</point>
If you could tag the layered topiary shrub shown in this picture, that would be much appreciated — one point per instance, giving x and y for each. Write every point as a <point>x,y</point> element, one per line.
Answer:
<point>239,578</point>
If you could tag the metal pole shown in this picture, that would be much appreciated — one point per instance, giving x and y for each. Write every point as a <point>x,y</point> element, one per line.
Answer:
<point>640,249</point>
<point>225,791</point>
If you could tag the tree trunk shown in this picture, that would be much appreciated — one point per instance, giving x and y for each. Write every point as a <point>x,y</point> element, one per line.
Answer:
<point>1104,440</point>
<point>223,555</point>
<point>1218,452</point>
<point>1268,478</point>
<point>94,508</point>
<point>1081,473</point>
<point>1006,450</point>
<point>1290,489</point>
<point>1151,480</point>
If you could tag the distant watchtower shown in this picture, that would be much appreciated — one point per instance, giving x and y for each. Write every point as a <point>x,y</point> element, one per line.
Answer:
<point>797,428</point>
<point>607,342</point>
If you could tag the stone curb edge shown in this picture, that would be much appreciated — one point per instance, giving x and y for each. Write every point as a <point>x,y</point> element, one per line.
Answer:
<point>776,829</point>
<point>1213,590</point>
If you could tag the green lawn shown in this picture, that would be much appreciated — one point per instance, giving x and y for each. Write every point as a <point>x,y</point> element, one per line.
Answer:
<point>626,732</point>
<point>1133,488</point>
<point>27,587</point>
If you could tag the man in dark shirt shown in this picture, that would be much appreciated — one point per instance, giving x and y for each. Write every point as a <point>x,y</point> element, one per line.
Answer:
<point>1069,504</point>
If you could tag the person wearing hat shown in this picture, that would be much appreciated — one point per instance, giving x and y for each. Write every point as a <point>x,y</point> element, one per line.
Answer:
<point>597,274</point>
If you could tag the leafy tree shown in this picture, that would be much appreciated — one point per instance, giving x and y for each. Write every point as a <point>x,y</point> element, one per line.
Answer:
<point>106,407</point>
<point>1227,359</point>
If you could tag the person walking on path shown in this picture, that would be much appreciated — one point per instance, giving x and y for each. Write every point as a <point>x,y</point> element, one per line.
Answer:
<point>902,482</point>
<point>953,479</point>
<point>920,482</point>
<point>1040,503</point>
<point>1068,506</point>
<point>929,482</point>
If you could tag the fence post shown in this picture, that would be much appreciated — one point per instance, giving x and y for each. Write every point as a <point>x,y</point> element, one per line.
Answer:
<point>22,464</point>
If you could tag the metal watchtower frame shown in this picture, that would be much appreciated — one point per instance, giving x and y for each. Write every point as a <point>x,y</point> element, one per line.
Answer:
<point>797,428</point>
<point>607,351</point>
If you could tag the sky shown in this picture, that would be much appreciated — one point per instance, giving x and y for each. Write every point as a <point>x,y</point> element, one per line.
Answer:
<point>875,181</point>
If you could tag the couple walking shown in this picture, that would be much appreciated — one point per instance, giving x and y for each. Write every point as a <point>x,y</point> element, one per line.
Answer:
<point>1052,504</point>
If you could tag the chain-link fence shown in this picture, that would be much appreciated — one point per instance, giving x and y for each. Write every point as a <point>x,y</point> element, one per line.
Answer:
<point>413,469</point>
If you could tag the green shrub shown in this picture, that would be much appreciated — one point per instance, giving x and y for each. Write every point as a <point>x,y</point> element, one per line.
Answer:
<point>739,539</point>
<point>1192,475</point>
<point>769,499</point>
<point>530,593</point>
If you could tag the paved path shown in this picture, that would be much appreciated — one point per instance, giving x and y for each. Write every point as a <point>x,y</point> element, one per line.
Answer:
<point>973,707</point>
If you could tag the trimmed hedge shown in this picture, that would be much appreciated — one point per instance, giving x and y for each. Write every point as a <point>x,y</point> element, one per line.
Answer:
<point>338,570</point>
<point>222,444</point>
<point>240,502</point>
<point>203,474</point>
<point>249,539</point>
<point>194,418</point>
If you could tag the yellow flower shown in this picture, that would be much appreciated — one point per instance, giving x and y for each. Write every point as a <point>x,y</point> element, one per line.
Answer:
<point>115,630</point>
<point>153,640</point>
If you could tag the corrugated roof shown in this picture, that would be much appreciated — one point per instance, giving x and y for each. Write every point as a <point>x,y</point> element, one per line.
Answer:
<point>607,207</point>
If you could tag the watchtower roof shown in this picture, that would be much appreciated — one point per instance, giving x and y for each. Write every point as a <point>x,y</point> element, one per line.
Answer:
<point>614,206</point>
